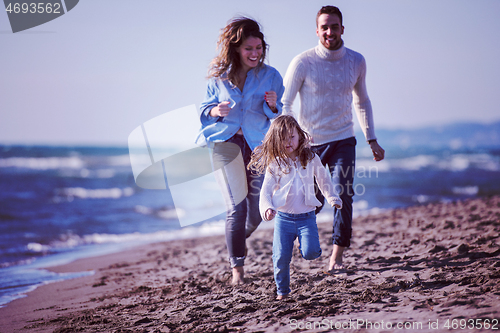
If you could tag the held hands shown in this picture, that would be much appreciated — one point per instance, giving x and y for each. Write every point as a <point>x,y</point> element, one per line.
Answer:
<point>221,110</point>
<point>378,152</point>
<point>271,99</point>
<point>270,214</point>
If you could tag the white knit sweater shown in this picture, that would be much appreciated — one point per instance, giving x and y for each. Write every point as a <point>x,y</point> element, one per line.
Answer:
<point>329,82</point>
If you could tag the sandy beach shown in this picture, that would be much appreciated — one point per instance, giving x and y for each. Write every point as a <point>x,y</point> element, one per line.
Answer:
<point>432,268</point>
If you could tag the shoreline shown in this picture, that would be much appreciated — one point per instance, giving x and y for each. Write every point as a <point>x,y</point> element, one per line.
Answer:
<point>418,264</point>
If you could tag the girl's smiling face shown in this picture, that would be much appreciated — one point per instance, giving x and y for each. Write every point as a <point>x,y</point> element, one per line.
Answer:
<point>292,143</point>
<point>250,52</point>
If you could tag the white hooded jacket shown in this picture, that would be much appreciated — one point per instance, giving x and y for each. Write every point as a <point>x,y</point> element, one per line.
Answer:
<point>278,183</point>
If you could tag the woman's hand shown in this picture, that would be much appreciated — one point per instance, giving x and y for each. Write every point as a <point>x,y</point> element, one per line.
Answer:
<point>221,110</point>
<point>271,99</point>
<point>270,214</point>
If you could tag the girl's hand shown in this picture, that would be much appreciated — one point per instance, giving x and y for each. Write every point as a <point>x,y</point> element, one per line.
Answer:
<point>220,110</point>
<point>333,204</point>
<point>271,99</point>
<point>270,214</point>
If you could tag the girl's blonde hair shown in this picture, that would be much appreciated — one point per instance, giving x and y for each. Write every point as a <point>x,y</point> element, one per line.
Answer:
<point>273,148</point>
<point>231,37</point>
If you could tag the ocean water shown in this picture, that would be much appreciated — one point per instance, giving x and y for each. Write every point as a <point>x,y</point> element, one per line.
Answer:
<point>58,204</point>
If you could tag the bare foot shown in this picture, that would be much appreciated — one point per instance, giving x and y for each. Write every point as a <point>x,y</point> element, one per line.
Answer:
<point>238,276</point>
<point>336,258</point>
<point>280,297</point>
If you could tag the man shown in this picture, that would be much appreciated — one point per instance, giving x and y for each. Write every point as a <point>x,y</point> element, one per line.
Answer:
<point>330,78</point>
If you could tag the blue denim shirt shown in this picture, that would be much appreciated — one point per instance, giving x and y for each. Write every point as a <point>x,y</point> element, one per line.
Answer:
<point>249,110</point>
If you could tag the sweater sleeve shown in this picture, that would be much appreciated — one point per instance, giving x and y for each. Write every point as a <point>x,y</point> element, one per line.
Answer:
<point>266,193</point>
<point>294,78</point>
<point>325,183</point>
<point>362,103</point>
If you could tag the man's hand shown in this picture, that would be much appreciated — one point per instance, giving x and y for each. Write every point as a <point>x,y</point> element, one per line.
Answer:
<point>378,152</point>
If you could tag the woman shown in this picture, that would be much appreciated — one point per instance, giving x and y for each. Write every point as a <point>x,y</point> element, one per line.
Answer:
<point>243,94</point>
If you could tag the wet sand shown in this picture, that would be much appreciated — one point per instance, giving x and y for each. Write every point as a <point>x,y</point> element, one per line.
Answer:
<point>420,268</point>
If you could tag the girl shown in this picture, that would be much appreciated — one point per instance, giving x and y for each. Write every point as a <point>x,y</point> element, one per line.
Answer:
<point>288,193</point>
<point>243,94</point>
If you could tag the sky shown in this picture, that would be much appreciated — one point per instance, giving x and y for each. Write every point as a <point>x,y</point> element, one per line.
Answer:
<point>98,72</point>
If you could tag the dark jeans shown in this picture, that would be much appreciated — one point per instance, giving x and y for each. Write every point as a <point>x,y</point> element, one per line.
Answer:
<point>243,216</point>
<point>340,157</point>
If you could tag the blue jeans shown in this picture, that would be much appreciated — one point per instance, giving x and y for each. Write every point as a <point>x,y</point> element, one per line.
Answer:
<point>287,227</point>
<point>340,157</point>
<point>244,217</point>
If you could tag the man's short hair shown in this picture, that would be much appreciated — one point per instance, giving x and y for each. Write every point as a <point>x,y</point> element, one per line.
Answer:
<point>330,10</point>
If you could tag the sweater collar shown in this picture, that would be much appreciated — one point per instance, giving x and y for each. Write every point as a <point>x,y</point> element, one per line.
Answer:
<point>330,55</point>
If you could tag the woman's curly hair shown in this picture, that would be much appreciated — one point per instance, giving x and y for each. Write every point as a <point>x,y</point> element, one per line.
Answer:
<point>231,37</point>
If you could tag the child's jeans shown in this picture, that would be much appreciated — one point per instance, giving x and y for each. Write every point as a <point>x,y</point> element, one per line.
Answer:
<point>287,227</point>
